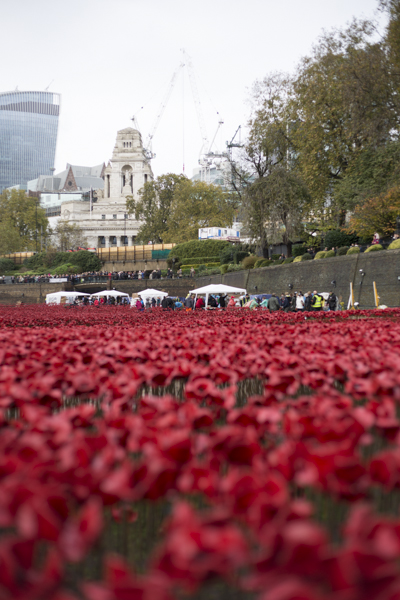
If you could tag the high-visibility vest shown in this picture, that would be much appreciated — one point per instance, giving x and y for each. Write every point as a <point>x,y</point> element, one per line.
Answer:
<point>318,301</point>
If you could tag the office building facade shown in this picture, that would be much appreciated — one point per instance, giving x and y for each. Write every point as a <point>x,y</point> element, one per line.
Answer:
<point>28,135</point>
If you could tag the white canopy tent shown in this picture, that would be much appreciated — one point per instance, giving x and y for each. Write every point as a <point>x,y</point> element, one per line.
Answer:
<point>114,293</point>
<point>55,297</point>
<point>217,288</point>
<point>150,293</point>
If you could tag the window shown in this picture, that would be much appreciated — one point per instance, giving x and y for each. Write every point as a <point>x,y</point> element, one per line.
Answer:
<point>125,216</point>
<point>103,217</point>
<point>69,182</point>
<point>124,144</point>
<point>145,178</point>
<point>114,216</point>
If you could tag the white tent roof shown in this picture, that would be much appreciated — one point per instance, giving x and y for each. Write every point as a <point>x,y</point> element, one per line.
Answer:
<point>152,293</point>
<point>110,293</point>
<point>55,297</point>
<point>218,288</point>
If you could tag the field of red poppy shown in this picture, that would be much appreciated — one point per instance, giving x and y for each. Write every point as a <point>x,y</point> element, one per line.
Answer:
<point>213,455</point>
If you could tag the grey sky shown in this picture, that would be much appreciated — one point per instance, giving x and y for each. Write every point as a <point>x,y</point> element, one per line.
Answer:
<point>110,58</point>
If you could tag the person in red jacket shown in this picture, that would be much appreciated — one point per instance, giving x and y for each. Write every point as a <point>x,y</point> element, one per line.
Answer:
<point>200,302</point>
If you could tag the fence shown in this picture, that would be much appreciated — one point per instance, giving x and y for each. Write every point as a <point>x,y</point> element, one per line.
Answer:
<point>115,253</point>
<point>135,253</point>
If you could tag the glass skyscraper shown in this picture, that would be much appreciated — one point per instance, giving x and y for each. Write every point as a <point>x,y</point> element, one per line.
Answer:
<point>28,135</point>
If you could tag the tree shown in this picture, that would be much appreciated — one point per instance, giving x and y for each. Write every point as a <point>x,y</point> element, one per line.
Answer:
<point>153,206</point>
<point>68,235</point>
<point>197,204</point>
<point>275,207</point>
<point>377,214</point>
<point>343,103</point>
<point>22,221</point>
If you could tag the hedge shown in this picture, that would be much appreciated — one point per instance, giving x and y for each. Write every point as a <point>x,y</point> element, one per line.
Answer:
<point>207,265</point>
<point>306,256</point>
<point>353,250</point>
<point>342,251</point>
<point>374,248</point>
<point>320,255</point>
<point>289,260</point>
<point>198,249</point>
<point>249,262</point>
<point>199,261</point>
<point>298,250</point>
<point>6,265</point>
<point>85,260</point>
<point>298,258</point>
<point>330,254</point>
<point>395,245</point>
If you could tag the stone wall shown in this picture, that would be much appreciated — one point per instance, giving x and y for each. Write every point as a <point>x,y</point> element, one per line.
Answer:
<point>174,287</point>
<point>29,293</point>
<point>382,267</point>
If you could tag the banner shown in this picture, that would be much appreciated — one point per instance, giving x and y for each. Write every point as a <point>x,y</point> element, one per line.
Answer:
<point>58,279</point>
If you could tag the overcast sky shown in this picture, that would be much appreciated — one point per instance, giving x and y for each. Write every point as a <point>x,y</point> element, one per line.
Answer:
<point>108,59</point>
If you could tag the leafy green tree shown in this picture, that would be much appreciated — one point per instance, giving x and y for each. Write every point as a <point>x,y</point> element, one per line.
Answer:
<point>275,207</point>
<point>376,214</point>
<point>197,204</point>
<point>154,206</point>
<point>343,103</point>
<point>68,235</point>
<point>22,221</point>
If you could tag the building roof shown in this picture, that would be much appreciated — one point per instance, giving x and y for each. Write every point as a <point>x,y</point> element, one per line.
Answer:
<point>73,178</point>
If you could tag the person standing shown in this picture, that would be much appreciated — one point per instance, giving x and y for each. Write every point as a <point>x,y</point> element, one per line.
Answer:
<point>273,303</point>
<point>317,301</point>
<point>332,301</point>
<point>299,302</point>
<point>308,302</point>
<point>192,271</point>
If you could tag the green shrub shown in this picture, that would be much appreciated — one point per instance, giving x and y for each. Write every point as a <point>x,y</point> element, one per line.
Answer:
<point>306,256</point>
<point>266,263</point>
<point>278,262</point>
<point>199,261</point>
<point>298,258</point>
<point>289,260</point>
<point>232,268</point>
<point>353,250</point>
<point>35,262</point>
<point>198,249</point>
<point>320,255</point>
<point>214,271</point>
<point>395,245</point>
<point>224,269</point>
<point>249,262</point>
<point>6,265</point>
<point>330,254</point>
<point>274,256</point>
<point>298,250</point>
<point>335,238</point>
<point>233,254</point>
<point>87,261</point>
<point>209,265</point>
<point>258,263</point>
<point>374,248</point>
<point>343,250</point>
<point>66,268</point>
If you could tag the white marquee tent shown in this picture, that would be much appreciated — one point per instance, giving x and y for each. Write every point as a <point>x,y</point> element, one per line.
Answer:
<point>114,293</point>
<point>150,293</point>
<point>217,288</point>
<point>55,297</point>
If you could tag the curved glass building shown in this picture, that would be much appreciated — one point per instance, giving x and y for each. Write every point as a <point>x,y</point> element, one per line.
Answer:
<point>28,135</point>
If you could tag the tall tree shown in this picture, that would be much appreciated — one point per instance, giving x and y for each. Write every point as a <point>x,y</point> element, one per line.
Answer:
<point>343,102</point>
<point>377,214</point>
<point>197,204</point>
<point>68,235</point>
<point>23,219</point>
<point>153,206</point>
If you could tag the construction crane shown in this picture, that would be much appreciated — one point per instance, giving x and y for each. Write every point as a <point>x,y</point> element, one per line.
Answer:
<point>148,147</point>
